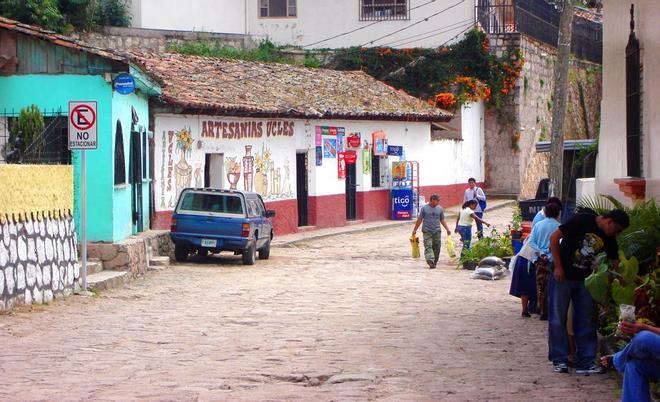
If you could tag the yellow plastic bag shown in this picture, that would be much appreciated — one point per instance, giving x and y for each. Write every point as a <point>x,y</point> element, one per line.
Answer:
<point>414,243</point>
<point>451,247</point>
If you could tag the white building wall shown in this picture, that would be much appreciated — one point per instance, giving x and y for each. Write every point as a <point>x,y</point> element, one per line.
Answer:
<point>611,162</point>
<point>320,19</point>
<point>222,16</point>
<point>316,20</point>
<point>443,162</point>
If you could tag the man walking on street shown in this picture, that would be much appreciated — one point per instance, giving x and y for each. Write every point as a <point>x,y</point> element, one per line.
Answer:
<point>475,193</point>
<point>583,238</point>
<point>433,216</point>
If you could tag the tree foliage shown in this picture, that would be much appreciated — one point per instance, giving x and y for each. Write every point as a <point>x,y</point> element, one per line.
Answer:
<point>449,75</point>
<point>26,132</point>
<point>67,15</point>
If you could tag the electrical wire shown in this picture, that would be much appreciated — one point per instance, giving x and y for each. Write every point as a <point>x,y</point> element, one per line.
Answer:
<point>418,58</point>
<point>469,25</point>
<point>445,28</point>
<point>363,27</point>
<point>371,42</point>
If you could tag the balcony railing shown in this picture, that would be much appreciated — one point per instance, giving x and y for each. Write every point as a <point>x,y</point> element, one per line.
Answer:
<point>540,20</point>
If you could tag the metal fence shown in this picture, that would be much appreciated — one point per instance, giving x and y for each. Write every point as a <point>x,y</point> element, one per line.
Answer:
<point>540,20</point>
<point>48,148</point>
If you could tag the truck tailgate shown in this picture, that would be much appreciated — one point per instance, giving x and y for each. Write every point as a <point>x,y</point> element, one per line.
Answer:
<point>210,226</point>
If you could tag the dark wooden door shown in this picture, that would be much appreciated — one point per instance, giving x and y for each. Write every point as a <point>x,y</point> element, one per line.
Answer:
<point>351,191</point>
<point>301,188</point>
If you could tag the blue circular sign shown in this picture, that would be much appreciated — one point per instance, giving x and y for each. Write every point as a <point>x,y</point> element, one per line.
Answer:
<point>124,84</point>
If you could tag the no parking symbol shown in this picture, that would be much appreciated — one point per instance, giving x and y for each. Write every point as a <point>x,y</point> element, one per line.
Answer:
<point>82,125</point>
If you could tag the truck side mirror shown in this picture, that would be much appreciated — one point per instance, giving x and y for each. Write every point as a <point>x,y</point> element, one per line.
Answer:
<point>269,213</point>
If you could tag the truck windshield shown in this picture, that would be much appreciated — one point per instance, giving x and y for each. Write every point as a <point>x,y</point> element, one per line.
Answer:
<point>214,203</point>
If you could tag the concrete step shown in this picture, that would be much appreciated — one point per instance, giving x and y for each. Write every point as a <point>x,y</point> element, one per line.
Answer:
<point>105,280</point>
<point>93,266</point>
<point>157,263</point>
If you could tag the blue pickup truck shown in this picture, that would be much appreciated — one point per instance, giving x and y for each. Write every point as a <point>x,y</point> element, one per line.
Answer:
<point>209,220</point>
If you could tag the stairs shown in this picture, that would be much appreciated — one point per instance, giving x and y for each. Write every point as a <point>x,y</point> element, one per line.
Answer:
<point>99,279</point>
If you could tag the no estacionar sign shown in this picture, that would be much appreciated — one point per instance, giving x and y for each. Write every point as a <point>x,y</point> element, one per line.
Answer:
<point>82,125</point>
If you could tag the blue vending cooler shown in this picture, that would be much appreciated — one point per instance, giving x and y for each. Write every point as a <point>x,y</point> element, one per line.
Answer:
<point>402,204</point>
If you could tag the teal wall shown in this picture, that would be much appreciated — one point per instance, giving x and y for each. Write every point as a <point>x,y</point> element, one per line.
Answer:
<point>109,216</point>
<point>122,206</point>
<point>55,92</point>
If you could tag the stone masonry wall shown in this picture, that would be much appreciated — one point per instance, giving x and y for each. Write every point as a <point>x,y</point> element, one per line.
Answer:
<point>156,40</point>
<point>517,171</point>
<point>37,261</point>
<point>132,254</point>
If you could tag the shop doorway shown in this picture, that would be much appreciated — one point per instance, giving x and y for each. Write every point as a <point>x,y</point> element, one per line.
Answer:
<point>351,191</point>
<point>214,171</point>
<point>302,192</point>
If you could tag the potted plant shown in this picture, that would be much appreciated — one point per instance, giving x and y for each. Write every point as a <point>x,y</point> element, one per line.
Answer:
<point>516,223</point>
<point>495,245</point>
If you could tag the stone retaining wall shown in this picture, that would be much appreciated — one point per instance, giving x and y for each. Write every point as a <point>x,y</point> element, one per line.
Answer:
<point>37,261</point>
<point>132,254</point>
<point>157,40</point>
<point>511,171</point>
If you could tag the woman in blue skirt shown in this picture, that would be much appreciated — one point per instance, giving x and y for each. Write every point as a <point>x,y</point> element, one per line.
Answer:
<point>524,280</point>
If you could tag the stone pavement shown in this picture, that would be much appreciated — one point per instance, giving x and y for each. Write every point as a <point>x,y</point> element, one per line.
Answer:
<point>344,318</point>
<point>359,226</point>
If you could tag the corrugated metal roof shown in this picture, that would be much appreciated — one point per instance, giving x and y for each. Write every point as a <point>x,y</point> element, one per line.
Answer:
<point>569,145</point>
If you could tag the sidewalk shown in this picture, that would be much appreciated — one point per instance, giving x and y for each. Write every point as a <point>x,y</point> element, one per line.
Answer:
<point>451,212</point>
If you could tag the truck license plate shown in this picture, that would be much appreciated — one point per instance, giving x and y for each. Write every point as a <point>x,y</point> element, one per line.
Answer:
<point>209,243</point>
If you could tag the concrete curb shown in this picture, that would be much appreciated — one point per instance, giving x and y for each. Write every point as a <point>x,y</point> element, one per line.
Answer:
<point>385,225</point>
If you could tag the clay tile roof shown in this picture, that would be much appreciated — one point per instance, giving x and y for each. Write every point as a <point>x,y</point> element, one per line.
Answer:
<point>57,39</point>
<point>235,87</point>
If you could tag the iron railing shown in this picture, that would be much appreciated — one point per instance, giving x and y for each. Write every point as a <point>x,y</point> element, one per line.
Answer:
<point>540,20</point>
<point>48,148</point>
<point>376,10</point>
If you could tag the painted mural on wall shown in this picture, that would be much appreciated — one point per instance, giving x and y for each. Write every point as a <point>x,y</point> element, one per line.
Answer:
<point>256,156</point>
<point>183,170</point>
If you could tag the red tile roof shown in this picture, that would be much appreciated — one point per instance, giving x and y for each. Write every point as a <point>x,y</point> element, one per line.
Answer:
<point>220,87</point>
<point>57,39</point>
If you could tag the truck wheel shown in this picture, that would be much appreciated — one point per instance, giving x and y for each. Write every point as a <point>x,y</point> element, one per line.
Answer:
<point>250,255</point>
<point>264,252</point>
<point>180,253</point>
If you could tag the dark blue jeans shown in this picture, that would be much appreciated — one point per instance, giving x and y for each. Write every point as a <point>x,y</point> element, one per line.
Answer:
<point>466,236</point>
<point>584,325</point>
<point>480,226</point>
<point>639,361</point>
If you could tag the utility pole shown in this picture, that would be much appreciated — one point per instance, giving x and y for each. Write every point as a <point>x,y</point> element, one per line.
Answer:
<point>560,97</point>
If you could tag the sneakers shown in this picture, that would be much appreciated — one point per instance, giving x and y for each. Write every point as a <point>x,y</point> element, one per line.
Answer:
<point>592,369</point>
<point>560,367</point>
<point>431,264</point>
<point>525,314</point>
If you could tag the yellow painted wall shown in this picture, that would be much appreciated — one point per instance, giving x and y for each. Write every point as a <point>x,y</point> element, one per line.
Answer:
<point>33,191</point>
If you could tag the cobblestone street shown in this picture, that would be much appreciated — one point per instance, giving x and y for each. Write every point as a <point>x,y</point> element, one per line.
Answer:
<point>348,317</point>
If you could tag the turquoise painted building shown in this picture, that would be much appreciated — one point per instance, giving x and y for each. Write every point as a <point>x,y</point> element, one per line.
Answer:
<point>40,68</point>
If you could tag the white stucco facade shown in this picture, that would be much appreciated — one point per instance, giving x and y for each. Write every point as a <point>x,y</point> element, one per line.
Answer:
<point>611,162</point>
<point>272,145</point>
<point>318,20</point>
<point>223,16</point>
<point>426,25</point>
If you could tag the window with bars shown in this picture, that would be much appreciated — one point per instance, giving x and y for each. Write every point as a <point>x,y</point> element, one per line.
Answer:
<point>374,10</point>
<point>277,8</point>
